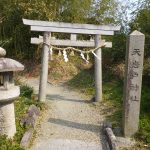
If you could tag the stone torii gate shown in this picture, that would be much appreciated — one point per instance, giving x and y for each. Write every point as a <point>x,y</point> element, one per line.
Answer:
<point>73,29</point>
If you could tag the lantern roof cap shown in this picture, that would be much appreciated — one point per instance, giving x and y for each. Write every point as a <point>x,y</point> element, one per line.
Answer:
<point>7,65</point>
<point>2,52</point>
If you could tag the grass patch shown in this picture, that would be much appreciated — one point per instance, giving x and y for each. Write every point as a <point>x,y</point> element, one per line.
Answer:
<point>144,125</point>
<point>84,82</point>
<point>60,71</point>
<point>26,91</point>
<point>112,94</point>
<point>21,106</point>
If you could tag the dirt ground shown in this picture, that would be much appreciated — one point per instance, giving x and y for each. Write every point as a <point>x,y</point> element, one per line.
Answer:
<point>71,121</point>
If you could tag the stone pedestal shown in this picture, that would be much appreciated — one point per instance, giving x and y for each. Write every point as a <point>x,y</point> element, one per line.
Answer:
<point>7,114</point>
<point>8,93</point>
<point>7,120</point>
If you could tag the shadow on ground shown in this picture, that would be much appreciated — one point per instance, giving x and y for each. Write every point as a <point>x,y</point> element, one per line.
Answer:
<point>87,127</point>
<point>62,98</point>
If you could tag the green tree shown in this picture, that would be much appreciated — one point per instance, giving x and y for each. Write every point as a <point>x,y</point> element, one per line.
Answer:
<point>15,37</point>
<point>104,12</point>
<point>75,11</point>
<point>141,22</point>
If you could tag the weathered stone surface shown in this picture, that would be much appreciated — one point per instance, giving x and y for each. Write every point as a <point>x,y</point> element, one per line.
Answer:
<point>7,96</point>
<point>31,116</point>
<point>29,119</point>
<point>25,141</point>
<point>124,142</point>
<point>7,120</point>
<point>133,82</point>
<point>7,64</point>
<point>44,70</point>
<point>2,52</point>
<point>33,111</point>
<point>98,70</point>
<point>111,139</point>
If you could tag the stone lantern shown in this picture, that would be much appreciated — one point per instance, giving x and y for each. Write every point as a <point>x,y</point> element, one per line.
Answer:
<point>8,93</point>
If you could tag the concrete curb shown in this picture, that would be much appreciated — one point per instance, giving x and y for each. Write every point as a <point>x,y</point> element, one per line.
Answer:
<point>112,141</point>
<point>111,138</point>
<point>115,139</point>
<point>25,141</point>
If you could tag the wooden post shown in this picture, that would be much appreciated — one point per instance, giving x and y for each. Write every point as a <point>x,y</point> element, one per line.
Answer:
<point>133,83</point>
<point>98,70</point>
<point>44,69</point>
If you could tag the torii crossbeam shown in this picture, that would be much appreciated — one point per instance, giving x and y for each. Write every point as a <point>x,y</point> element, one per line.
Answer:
<point>73,29</point>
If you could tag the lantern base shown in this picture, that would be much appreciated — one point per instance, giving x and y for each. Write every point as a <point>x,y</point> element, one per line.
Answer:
<point>7,120</point>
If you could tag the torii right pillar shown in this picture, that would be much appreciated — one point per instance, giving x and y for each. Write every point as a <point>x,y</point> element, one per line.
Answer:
<point>133,83</point>
<point>98,69</point>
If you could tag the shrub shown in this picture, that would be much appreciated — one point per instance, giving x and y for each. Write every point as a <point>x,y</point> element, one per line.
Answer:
<point>8,144</point>
<point>26,91</point>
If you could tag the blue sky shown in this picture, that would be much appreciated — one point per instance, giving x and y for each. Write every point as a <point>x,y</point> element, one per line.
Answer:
<point>133,0</point>
<point>128,1</point>
<point>129,8</point>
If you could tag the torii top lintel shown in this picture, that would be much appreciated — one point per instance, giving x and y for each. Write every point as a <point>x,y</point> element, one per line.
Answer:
<point>71,28</point>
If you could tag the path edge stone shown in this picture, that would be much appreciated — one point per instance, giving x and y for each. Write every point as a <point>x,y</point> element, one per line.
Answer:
<point>112,141</point>
<point>116,141</point>
<point>28,135</point>
<point>25,141</point>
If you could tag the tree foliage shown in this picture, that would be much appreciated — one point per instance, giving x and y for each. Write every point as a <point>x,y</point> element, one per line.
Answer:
<point>15,37</point>
<point>105,11</point>
<point>141,22</point>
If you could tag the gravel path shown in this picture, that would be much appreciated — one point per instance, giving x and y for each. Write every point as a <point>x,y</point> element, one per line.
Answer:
<point>70,123</point>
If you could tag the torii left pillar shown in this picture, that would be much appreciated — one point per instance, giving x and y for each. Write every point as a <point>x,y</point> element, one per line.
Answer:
<point>44,69</point>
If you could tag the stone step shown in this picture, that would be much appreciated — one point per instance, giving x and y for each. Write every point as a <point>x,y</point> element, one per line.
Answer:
<point>61,144</point>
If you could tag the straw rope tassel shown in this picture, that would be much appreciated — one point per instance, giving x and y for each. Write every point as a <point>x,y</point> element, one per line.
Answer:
<point>83,57</point>
<point>87,57</point>
<point>65,56</point>
<point>59,54</point>
<point>51,53</point>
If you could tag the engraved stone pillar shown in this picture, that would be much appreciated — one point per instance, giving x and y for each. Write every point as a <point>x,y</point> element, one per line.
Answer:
<point>133,83</point>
